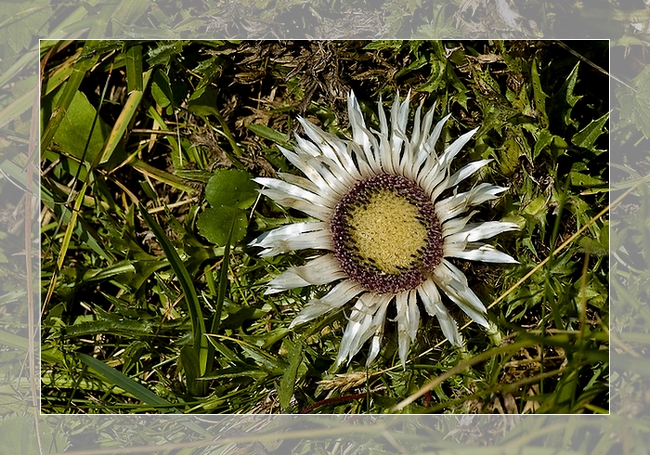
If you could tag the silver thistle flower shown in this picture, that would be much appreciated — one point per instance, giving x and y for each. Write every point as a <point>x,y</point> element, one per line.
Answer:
<point>385,234</point>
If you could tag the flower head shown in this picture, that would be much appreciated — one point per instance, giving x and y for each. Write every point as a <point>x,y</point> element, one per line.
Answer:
<point>385,234</point>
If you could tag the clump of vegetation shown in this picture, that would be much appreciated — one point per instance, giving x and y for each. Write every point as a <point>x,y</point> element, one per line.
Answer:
<point>153,301</point>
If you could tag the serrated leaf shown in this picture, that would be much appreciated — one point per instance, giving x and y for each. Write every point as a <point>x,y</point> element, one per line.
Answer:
<point>162,54</point>
<point>414,66</point>
<point>214,223</point>
<point>436,78</point>
<point>592,246</point>
<point>590,133</point>
<point>209,69</point>
<point>545,138</point>
<point>393,45</point>
<point>231,188</point>
<point>571,99</point>
<point>584,180</point>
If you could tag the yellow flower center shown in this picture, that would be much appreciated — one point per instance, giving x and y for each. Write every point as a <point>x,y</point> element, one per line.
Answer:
<point>387,231</point>
<point>386,234</point>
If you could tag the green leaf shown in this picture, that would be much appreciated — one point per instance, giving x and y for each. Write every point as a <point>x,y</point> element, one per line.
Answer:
<point>287,383</point>
<point>18,434</point>
<point>588,135</point>
<point>20,105</point>
<point>14,341</point>
<point>571,99</point>
<point>584,180</point>
<point>131,106</point>
<point>112,325</point>
<point>69,91</point>
<point>436,78</point>
<point>509,157</point>
<point>124,382</point>
<point>163,176</point>
<point>109,272</point>
<point>165,51</point>
<point>268,133</point>
<point>214,224</point>
<point>536,206</point>
<point>198,323</point>
<point>231,188</point>
<point>221,293</point>
<point>598,246</point>
<point>415,65</point>
<point>134,67</point>
<point>544,140</point>
<point>161,89</point>
<point>223,280</point>
<point>190,362</point>
<point>539,95</point>
<point>393,45</point>
<point>75,128</point>
<point>209,70</point>
<point>204,101</point>
<point>237,372</point>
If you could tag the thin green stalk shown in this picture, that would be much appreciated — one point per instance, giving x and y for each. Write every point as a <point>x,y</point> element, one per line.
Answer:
<point>200,343</point>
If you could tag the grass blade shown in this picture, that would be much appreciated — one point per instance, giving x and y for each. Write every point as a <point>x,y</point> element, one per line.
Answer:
<point>124,382</point>
<point>198,324</point>
<point>270,134</point>
<point>161,176</point>
<point>223,280</point>
<point>65,244</point>
<point>221,295</point>
<point>134,68</point>
<point>130,107</point>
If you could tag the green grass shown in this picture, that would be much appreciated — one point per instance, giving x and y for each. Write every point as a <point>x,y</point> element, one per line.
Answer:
<point>148,308</point>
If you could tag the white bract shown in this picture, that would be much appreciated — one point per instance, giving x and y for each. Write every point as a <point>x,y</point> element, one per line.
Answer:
<point>385,234</point>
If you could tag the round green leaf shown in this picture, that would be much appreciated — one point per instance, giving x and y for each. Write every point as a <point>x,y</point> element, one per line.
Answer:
<point>231,188</point>
<point>214,224</point>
